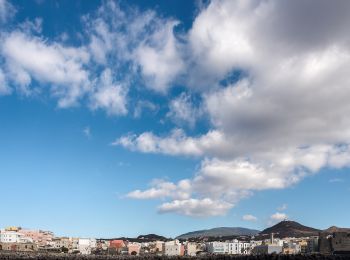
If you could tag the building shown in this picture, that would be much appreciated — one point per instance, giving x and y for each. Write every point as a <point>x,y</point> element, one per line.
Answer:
<point>40,237</point>
<point>324,243</point>
<point>341,243</point>
<point>234,247</point>
<point>74,245</point>
<point>312,245</point>
<point>217,247</point>
<point>159,247</point>
<point>174,248</point>
<point>238,248</point>
<point>102,244</point>
<point>134,248</point>
<point>292,248</point>
<point>267,250</point>
<point>61,243</point>
<point>116,246</point>
<point>117,243</point>
<point>12,236</point>
<point>86,245</point>
<point>18,247</point>
<point>191,249</point>
<point>304,247</point>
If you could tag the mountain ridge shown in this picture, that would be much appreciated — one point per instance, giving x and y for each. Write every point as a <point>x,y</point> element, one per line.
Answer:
<point>288,228</point>
<point>219,232</point>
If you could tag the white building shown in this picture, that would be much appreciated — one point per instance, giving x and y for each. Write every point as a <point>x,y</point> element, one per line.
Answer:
<point>191,249</point>
<point>232,248</point>
<point>159,247</point>
<point>7,236</point>
<point>217,247</point>
<point>173,248</point>
<point>238,248</point>
<point>86,245</point>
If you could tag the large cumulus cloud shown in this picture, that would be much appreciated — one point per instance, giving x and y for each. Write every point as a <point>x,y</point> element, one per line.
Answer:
<point>284,118</point>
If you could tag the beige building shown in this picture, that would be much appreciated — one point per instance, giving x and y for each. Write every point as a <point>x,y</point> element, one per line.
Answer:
<point>134,248</point>
<point>191,249</point>
<point>19,247</point>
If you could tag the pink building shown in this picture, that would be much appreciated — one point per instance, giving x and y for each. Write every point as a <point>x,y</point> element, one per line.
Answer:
<point>118,244</point>
<point>40,237</point>
<point>134,248</point>
<point>182,250</point>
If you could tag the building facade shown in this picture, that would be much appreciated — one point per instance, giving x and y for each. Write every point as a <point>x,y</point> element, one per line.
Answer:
<point>174,248</point>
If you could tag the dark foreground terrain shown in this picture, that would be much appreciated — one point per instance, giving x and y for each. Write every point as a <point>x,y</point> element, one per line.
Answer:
<point>41,256</point>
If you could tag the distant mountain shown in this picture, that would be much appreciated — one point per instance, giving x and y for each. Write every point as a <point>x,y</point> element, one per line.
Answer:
<point>289,228</point>
<point>142,238</point>
<point>152,237</point>
<point>333,229</point>
<point>219,232</point>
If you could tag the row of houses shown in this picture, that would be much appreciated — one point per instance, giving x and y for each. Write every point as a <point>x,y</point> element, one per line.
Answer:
<point>17,239</point>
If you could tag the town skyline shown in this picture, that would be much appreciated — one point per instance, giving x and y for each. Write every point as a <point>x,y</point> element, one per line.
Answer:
<point>127,117</point>
<point>283,238</point>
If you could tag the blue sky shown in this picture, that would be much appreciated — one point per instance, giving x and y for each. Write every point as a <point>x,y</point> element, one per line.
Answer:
<point>121,118</point>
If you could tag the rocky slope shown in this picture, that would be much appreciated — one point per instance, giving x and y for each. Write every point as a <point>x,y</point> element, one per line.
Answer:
<point>289,228</point>
<point>219,232</point>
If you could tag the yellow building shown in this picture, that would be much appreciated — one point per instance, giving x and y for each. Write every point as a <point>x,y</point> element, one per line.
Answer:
<point>12,229</point>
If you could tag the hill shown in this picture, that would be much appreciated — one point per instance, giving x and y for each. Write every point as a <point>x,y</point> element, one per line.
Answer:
<point>289,228</point>
<point>152,237</point>
<point>219,232</point>
<point>142,238</point>
<point>333,229</point>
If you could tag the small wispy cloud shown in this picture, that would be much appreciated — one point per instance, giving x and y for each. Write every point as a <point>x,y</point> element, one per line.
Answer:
<point>277,217</point>
<point>336,180</point>
<point>249,217</point>
<point>283,207</point>
<point>87,132</point>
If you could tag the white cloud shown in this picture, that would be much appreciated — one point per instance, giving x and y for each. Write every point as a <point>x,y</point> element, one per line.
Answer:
<point>159,58</point>
<point>196,207</point>
<point>87,132</point>
<point>183,111</point>
<point>4,88</point>
<point>109,95</point>
<point>140,43</point>
<point>144,105</point>
<point>249,218</point>
<point>277,217</point>
<point>163,189</point>
<point>285,118</point>
<point>7,10</point>
<point>62,67</point>
<point>336,180</point>
<point>30,26</point>
<point>177,143</point>
<point>128,45</point>
<point>283,207</point>
<point>134,46</point>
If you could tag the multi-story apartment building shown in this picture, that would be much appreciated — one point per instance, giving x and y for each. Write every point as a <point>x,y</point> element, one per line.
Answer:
<point>40,237</point>
<point>9,236</point>
<point>134,248</point>
<point>234,247</point>
<point>174,248</point>
<point>191,249</point>
<point>341,243</point>
<point>86,245</point>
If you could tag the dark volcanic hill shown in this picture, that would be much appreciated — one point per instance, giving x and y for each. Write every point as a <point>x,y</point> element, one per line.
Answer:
<point>152,237</point>
<point>333,229</point>
<point>142,238</point>
<point>289,228</point>
<point>219,232</point>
